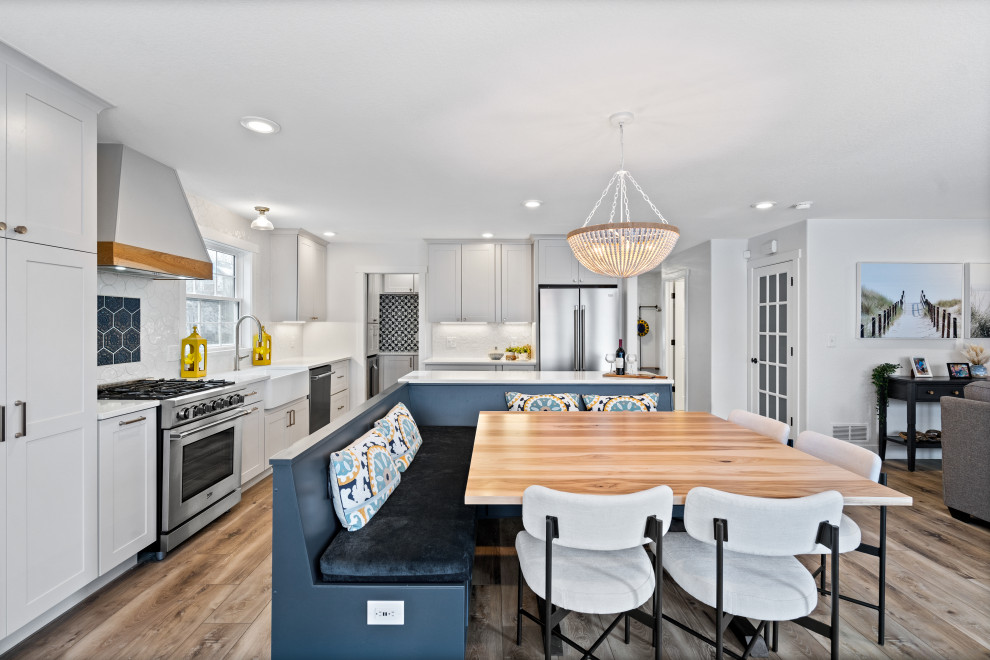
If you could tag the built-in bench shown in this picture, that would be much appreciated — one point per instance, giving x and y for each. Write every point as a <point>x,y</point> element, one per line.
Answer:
<point>418,549</point>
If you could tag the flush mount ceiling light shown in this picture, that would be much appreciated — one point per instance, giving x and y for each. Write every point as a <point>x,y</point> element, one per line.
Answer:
<point>532,203</point>
<point>260,125</point>
<point>262,222</point>
<point>763,206</point>
<point>624,248</point>
<point>330,234</point>
<point>488,234</point>
<point>800,206</point>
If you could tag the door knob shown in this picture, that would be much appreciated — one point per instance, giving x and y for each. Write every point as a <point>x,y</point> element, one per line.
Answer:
<point>753,360</point>
<point>20,229</point>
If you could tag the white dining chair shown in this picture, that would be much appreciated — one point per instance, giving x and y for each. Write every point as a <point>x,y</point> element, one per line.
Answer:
<point>762,425</point>
<point>730,559</point>
<point>585,553</point>
<point>866,464</point>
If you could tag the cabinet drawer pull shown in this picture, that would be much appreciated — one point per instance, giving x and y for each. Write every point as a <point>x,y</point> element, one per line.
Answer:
<point>133,421</point>
<point>3,226</point>
<point>340,376</point>
<point>931,391</point>
<point>24,419</point>
<point>3,418</point>
<point>250,394</point>
<point>955,392</point>
<point>340,407</point>
<point>20,229</point>
<point>253,410</point>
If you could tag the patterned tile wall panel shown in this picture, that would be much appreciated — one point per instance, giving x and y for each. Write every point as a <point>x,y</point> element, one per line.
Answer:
<point>118,336</point>
<point>399,327</point>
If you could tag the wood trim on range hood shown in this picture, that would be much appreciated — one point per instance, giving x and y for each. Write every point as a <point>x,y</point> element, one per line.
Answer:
<point>109,253</point>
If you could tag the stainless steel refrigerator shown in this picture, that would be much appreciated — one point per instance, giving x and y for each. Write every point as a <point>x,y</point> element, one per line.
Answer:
<point>578,326</point>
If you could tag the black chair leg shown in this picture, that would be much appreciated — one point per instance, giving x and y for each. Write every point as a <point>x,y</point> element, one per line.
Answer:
<point>627,629</point>
<point>774,646</point>
<point>519,616</point>
<point>821,576</point>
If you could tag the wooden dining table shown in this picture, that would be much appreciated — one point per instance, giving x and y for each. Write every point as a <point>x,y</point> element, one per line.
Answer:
<point>625,452</point>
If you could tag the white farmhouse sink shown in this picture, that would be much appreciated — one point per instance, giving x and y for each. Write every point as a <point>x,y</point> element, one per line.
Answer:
<point>285,384</point>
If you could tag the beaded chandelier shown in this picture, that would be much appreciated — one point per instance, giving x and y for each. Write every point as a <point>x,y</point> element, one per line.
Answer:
<point>624,248</point>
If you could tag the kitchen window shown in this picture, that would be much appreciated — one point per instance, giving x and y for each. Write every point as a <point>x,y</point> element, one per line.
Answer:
<point>215,305</point>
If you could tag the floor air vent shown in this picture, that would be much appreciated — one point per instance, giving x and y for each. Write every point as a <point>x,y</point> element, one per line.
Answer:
<point>858,434</point>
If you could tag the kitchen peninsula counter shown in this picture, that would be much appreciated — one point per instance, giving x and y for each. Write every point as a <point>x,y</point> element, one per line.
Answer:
<point>528,378</point>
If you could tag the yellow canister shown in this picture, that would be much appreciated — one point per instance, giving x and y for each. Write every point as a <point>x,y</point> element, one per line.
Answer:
<point>192,361</point>
<point>261,350</point>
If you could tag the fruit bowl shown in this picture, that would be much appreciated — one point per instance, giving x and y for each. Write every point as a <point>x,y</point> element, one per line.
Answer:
<point>493,355</point>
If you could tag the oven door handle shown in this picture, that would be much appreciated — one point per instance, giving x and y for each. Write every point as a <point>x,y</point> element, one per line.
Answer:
<point>185,434</point>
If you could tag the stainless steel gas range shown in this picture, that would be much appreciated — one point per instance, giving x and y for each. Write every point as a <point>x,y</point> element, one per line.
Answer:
<point>199,451</point>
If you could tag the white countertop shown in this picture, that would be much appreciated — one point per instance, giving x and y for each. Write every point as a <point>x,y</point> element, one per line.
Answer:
<point>253,374</point>
<point>550,377</point>
<point>108,409</point>
<point>309,361</point>
<point>473,360</point>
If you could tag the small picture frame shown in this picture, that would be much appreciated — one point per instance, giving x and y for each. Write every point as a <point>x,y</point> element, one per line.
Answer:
<point>920,368</point>
<point>958,369</point>
<point>978,371</point>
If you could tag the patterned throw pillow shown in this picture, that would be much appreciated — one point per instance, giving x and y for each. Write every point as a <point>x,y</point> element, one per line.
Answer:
<point>528,402</point>
<point>362,476</point>
<point>400,430</point>
<point>623,402</point>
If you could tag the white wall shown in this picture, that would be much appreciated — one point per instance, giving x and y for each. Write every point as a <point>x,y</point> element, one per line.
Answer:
<point>697,261</point>
<point>729,354</point>
<point>838,384</point>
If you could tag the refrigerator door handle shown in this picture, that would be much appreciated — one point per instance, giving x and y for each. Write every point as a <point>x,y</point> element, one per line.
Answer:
<point>583,366</point>
<point>578,332</point>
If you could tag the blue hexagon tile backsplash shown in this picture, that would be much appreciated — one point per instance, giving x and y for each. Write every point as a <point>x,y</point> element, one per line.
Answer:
<point>118,336</point>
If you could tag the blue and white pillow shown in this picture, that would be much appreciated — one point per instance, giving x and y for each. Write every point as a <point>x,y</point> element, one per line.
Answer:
<point>404,439</point>
<point>623,402</point>
<point>362,476</point>
<point>519,402</point>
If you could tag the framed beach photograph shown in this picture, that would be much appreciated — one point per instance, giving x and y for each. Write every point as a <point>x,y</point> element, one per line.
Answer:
<point>919,367</point>
<point>910,301</point>
<point>979,300</point>
<point>978,370</point>
<point>958,369</point>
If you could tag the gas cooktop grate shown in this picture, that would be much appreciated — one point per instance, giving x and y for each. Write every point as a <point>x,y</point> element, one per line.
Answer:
<point>162,388</point>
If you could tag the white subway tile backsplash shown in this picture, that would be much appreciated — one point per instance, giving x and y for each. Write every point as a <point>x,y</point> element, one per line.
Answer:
<point>477,339</point>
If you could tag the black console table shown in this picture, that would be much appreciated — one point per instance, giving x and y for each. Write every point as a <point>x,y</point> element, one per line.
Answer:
<point>914,391</point>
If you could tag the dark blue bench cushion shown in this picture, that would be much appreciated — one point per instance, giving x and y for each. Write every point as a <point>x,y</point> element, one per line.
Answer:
<point>424,532</point>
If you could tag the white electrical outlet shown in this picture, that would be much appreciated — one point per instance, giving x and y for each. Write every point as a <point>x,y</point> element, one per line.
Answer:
<point>829,341</point>
<point>386,612</point>
<point>451,342</point>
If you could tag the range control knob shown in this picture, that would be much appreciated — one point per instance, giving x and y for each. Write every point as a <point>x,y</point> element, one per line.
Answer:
<point>183,414</point>
<point>216,405</point>
<point>233,399</point>
<point>202,409</point>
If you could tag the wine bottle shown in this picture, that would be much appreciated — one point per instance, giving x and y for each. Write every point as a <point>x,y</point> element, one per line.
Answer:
<point>620,360</point>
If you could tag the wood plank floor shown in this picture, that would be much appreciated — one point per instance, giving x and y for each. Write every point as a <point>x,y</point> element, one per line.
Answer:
<point>211,598</point>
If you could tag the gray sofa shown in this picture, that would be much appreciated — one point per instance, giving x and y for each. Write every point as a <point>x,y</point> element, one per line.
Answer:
<point>966,452</point>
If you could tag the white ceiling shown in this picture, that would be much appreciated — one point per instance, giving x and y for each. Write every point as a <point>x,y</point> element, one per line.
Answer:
<point>408,119</point>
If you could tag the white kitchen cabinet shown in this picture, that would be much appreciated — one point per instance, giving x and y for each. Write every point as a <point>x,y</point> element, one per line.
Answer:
<point>516,280</point>
<point>3,408</point>
<point>298,276</point>
<point>558,265</point>
<point>340,403</point>
<point>443,282</point>
<point>285,425</point>
<point>50,165</point>
<point>394,367</point>
<point>254,461</point>
<point>128,473</point>
<point>461,282</point>
<point>340,376</point>
<point>374,297</point>
<point>51,435</point>
<point>399,283</point>
<point>478,282</point>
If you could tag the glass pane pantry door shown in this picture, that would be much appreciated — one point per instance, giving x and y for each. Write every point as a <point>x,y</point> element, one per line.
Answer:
<point>774,312</point>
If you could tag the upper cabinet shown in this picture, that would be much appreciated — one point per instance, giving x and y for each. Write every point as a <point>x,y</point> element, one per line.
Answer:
<point>48,164</point>
<point>400,283</point>
<point>480,282</point>
<point>374,297</point>
<point>299,276</point>
<point>558,265</point>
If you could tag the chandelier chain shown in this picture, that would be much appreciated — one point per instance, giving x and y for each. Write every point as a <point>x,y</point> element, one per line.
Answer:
<point>646,197</point>
<point>599,202</point>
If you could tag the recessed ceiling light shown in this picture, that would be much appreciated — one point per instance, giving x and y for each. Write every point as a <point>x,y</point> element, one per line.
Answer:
<point>260,125</point>
<point>764,205</point>
<point>331,234</point>
<point>488,234</point>
<point>532,203</point>
<point>802,205</point>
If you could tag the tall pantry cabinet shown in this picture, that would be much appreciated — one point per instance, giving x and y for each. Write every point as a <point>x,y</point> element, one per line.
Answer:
<point>48,454</point>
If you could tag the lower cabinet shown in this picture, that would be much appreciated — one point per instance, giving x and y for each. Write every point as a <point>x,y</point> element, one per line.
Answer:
<point>285,425</point>
<point>340,403</point>
<point>394,367</point>
<point>254,460</point>
<point>127,485</point>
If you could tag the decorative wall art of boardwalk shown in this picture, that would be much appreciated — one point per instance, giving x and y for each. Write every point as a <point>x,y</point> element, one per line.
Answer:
<point>979,300</point>
<point>911,301</point>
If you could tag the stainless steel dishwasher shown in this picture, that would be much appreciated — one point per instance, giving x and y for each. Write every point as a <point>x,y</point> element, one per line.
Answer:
<point>320,384</point>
